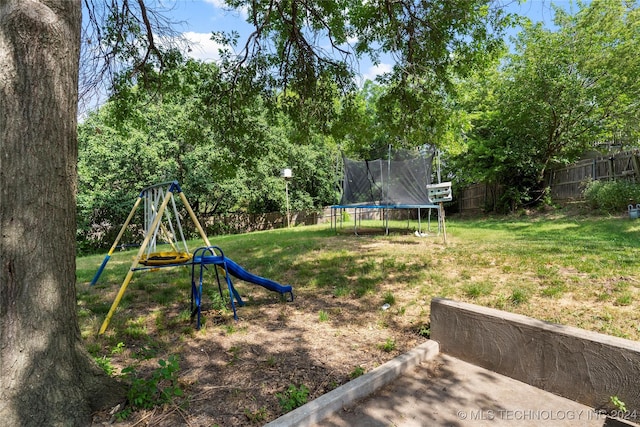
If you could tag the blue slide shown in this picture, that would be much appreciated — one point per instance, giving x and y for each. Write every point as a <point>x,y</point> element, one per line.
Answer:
<point>206,256</point>
<point>243,274</point>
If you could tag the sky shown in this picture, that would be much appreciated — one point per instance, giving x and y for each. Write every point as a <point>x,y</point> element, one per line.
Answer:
<point>199,18</point>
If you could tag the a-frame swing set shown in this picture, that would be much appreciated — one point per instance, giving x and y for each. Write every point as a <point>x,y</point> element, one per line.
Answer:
<point>159,203</point>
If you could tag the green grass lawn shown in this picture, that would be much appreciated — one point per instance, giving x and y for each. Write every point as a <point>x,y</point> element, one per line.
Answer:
<point>581,272</point>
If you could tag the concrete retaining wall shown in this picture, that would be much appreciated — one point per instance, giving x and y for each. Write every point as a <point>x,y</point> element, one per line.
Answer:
<point>583,366</point>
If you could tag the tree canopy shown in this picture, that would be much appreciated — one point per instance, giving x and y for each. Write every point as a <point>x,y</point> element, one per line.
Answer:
<point>225,130</point>
<point>500,116</point>
<point>227,159</point>
<point>560,93</point>
<point>556,94</point>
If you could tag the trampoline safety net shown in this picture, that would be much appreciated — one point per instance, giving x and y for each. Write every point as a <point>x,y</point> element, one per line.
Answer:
<point>399,180</point>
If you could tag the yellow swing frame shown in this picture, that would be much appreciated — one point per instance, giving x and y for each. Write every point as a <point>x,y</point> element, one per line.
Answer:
<point>141,258</point>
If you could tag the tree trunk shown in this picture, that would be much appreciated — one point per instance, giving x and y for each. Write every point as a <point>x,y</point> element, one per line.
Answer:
<point>46,376</point>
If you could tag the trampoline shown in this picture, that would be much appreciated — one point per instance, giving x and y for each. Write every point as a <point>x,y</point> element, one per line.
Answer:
<point>360,210</point>
<point>398,182</point>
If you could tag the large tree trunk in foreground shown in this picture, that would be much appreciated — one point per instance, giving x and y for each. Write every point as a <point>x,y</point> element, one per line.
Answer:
<point>46,376</point>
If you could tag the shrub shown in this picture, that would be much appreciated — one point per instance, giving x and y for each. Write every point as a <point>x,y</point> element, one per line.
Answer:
<point>611,196</point>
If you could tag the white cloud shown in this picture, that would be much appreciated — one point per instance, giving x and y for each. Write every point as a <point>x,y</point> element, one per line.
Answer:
<point>220,4</point>
<point>217,3</point>
<point>202,47</point>
<point>375,70</point>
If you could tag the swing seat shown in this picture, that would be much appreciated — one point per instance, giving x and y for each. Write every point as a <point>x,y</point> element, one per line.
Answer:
<point>164,258</point>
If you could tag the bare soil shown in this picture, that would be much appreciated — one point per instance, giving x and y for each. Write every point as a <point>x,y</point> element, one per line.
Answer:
<point>232,372</point>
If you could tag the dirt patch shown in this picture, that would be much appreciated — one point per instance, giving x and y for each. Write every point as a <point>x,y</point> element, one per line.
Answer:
<point>232,372</point>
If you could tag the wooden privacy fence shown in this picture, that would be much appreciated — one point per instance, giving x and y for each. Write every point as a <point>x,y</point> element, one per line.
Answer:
<point>239,222</point>
<point>565,183</point>
<point>479,197</point>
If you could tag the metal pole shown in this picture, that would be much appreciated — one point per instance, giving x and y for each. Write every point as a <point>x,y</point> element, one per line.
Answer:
<point>194,218</point>
<point>115,244</point>
<point>286,189</point>
<point>441,219</point>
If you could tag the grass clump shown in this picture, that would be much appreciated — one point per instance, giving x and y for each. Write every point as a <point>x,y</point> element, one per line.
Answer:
<point>519,296</point>
<point>388,346</point>
<point>136,328</point>
<point>389,298</point>
<point>478,289</point>
<point>358,371</point>
<point>554,289</point>
<point>624,299</point>
<point>323,316</point>
<point>258,416</point>
<point>293,397</point>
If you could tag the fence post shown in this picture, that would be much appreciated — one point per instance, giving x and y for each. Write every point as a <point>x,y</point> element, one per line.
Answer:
<point>635,162</point>
<point>612,172</point>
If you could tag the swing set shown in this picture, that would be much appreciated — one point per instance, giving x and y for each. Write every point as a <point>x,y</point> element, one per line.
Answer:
<point>159,204</point>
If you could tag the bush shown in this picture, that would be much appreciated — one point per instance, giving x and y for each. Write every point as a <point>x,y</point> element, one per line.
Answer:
<point>611,196</point>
